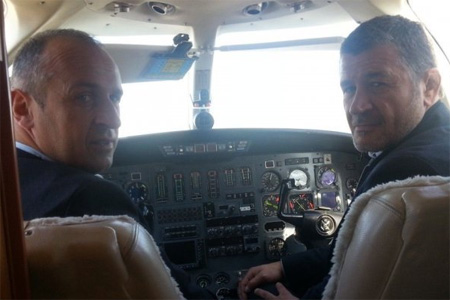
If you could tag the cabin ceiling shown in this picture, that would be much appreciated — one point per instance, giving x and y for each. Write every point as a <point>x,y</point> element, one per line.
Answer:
<point>201,19</point>
<point>203,16</point>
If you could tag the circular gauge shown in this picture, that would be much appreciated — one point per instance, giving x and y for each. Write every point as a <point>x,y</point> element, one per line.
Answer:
<point>300,178</point>
<point>326,176</point>
<point>138,191</point>
<point>299,203</point>
<point>222,278</point>
<point>277,248</point>
<point>270,205</point>
<point>203,280</point>
<point>224,293</point>
<point>270,181</point>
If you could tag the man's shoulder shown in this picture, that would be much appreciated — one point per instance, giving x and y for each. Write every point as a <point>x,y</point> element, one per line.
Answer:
<point>432,146</point>
<point>51,189</point>
<point>38,169</point>
<point>52,183</point>
<point>103,186</point>
<point>430,141</point>
<point>426,152</point>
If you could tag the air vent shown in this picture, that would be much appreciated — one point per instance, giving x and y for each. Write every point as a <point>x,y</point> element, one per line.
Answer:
<point>255,9</point>
<point>161,8</point>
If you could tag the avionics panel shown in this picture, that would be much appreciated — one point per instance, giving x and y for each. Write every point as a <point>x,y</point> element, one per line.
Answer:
<point>216,218</point>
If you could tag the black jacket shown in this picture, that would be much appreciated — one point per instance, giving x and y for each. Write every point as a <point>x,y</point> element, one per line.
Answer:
<point>51,189</point>
<point>424,151</point>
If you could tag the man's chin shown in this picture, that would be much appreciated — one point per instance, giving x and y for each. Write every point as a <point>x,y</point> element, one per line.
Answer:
<point>99,164</point>
<point>365,142</point>
<point>105,165</point>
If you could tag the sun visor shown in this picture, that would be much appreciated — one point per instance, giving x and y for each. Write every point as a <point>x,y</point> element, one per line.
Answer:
<point>167,68</point>
<point>173,65</point>
<point>161,62</point>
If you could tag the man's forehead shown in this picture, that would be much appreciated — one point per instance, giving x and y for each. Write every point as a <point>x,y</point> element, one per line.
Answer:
<point>94,86</point>
<point>73,66</point>
<point>72,49</point>
<point>377,62</point>
<point>381,52</point>
<point>61,55</point>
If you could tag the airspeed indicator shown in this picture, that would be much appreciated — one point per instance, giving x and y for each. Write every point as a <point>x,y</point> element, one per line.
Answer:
<point>270,181</point>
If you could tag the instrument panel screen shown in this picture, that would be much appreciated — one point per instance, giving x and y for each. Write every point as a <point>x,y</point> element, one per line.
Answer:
<point>181,253</point>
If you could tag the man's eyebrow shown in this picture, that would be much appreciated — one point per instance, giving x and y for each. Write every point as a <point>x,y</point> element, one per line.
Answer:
<point>368,76</point>
<point>86,84</point>
<point>95,86</point>
<point>377,74</point>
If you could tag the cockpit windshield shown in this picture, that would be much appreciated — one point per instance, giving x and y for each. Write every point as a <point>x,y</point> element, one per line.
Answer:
<point>279,78</point>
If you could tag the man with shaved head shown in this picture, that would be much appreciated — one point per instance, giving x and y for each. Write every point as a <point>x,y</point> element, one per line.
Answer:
<point>66,92</point>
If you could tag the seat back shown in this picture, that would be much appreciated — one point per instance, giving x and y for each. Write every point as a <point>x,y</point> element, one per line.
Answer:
<point>95,258</point>
<point>394,243</point>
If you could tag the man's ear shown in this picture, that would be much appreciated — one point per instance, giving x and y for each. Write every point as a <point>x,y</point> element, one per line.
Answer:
<point>432,81</point>
<point>22,109</point>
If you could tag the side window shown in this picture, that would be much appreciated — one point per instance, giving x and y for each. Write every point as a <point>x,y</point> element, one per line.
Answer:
<point>434,15</point>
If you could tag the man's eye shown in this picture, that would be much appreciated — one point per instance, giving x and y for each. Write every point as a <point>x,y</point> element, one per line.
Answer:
<point>85,98</point>
<point>116,98</point>
<point>348,90</point>
<point>376,84</point>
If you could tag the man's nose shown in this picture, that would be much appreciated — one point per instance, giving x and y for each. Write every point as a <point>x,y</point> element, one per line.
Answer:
<point>360,102</point>
<point>108,114</point>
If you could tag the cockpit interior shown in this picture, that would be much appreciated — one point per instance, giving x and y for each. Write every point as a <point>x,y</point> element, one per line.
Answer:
<point>234,144</point>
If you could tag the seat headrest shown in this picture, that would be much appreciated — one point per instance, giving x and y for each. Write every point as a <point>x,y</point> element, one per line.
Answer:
<point>95,257</point>
<point>394,243</point>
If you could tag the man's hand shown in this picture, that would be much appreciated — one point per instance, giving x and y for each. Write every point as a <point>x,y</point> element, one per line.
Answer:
<point>256,276</point>
<point>283,293</point>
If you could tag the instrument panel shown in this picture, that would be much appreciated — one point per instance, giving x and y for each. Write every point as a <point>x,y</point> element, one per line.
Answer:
<point>216,215</point>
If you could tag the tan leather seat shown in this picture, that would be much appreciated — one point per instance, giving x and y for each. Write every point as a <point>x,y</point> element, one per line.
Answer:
<point>95,258</point>
<point>394,243</point>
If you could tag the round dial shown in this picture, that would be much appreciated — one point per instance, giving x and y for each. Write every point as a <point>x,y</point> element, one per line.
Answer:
<point>224,293</point>
<point>222,278</point>
<point>138,191</point>
<point>270,205</point>
<point>277,248</point>
<point>203,280</point>
<point>327,176</point>
<point>299,203</point>
<point>270,181</point>
<point>300,178</point>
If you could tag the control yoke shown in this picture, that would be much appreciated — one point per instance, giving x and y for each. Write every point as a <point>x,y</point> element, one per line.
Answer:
<point>313,227</point>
